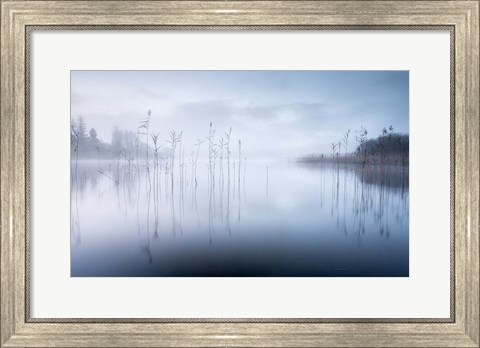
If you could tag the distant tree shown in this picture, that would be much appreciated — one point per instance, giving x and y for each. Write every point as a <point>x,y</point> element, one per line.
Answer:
<point>93,135</point>
<point>88,145</point>
<point>117,141</point>
<point>387,144</point>
<point>81,128</point>
<point>128,141</point>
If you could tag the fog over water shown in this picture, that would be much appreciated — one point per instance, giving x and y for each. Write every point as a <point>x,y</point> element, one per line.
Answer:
<point>243,173</point>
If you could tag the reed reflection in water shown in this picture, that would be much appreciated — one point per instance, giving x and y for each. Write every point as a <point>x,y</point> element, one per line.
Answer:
<point>270,218</point>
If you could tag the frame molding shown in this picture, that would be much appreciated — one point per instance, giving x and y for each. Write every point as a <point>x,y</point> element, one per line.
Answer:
<point>17,330</point>
<point>28,31</point>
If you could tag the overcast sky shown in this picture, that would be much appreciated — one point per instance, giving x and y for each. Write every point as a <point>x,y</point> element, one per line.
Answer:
<point>275,113</point>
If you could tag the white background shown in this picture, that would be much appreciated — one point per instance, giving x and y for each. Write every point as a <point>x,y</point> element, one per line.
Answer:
<point>425,294</point>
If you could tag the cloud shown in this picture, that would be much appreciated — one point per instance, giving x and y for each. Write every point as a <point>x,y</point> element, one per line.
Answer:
<point>251,115</point>
<point>275,113</point>
<point>150,93</point>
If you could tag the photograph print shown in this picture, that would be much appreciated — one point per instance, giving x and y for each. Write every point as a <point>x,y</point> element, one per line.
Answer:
<point>239,173</point>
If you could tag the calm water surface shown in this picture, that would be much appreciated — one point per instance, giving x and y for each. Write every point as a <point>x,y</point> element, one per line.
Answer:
<point>297,220</point>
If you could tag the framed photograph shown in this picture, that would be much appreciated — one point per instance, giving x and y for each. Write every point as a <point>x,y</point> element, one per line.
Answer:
<point>271,173</point>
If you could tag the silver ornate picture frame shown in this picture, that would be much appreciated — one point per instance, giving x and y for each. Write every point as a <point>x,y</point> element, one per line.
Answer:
<point>20,18</point>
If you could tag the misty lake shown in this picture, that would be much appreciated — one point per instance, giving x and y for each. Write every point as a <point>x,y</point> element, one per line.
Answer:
<point>309,220</point>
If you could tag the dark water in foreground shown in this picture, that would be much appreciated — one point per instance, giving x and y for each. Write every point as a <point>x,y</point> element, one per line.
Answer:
<point>309,221</point>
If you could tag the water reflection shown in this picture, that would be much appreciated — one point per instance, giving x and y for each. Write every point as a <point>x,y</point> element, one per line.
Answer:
<point>298,220</point>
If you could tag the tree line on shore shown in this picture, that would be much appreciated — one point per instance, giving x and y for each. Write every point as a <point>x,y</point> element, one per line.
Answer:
<point>85,143</point>
<point>388,148</point>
